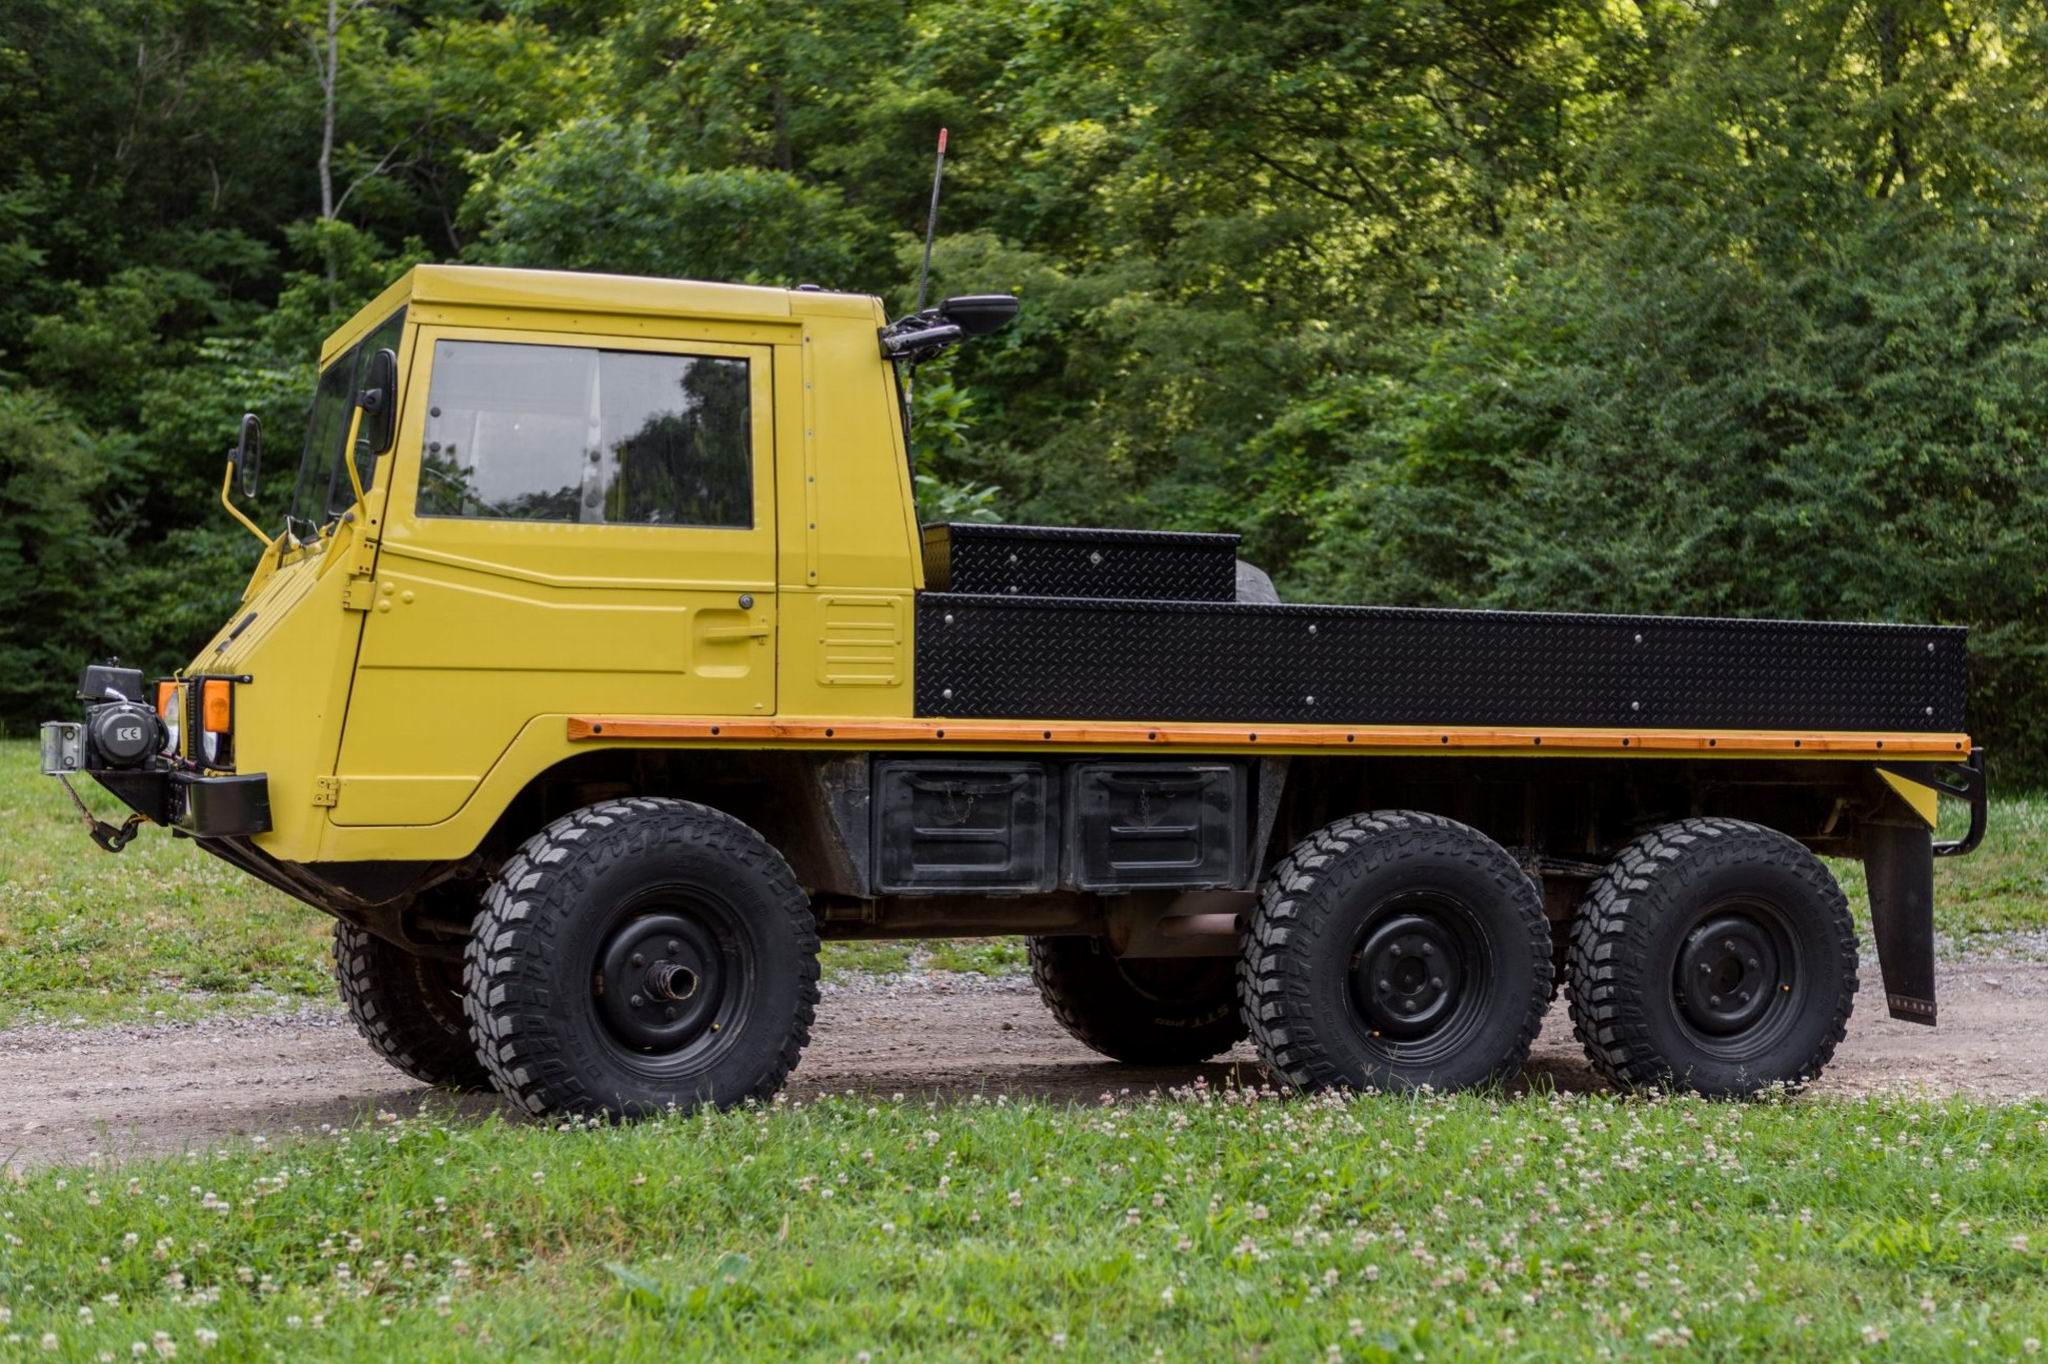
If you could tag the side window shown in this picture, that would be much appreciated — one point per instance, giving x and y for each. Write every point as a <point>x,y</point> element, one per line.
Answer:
<point>601,437</point>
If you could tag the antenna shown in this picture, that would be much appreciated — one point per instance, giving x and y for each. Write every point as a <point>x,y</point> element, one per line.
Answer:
<point>931,223</point>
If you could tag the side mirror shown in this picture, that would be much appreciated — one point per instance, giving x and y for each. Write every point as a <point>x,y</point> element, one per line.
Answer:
<point>247,456</point>
<point>379,401</point>
<point>979,314</point>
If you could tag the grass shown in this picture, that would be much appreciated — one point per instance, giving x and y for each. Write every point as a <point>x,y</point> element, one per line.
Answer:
<point>1210,1225</point>
<point>165,932</point>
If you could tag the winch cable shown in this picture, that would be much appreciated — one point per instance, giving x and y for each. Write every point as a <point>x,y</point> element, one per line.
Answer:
<point>103,833</point>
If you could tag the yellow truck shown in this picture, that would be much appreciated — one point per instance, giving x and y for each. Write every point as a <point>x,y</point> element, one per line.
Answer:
<point>600,669</point>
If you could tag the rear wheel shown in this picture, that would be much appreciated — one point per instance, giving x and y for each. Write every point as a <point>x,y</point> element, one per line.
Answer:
<point>1395,950</point>
<point>408,1007</point>
<point>1144,1010</point>
<point>1714,955</point>
<point>639,955</point>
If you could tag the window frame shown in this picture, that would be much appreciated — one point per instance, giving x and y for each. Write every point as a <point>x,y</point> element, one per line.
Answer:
<point>568,555</point>
<point>352,362</point>
<point>759,451</point>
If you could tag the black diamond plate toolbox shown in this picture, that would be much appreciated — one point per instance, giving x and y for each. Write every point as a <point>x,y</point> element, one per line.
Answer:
<point>1051,561</point>
<point>1045,658</point>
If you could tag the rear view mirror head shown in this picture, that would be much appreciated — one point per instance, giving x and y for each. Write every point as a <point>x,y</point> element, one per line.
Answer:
<point>379,401</point>
<point>979,314</point>
<point>248,452</point>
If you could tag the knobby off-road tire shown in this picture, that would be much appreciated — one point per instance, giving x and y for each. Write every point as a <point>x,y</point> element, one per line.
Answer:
<point>408,1007</point>
<point>1714,955</point>
<point>1394,950</point>
<point>1143,1010</point>
<point>638,955</point>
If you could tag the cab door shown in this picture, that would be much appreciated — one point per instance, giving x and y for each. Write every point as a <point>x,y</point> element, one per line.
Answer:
<point>576,524</point>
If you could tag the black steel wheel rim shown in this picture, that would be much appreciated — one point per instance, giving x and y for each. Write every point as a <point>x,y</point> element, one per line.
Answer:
<point>1736,982</point>
<point>672,979</point>
<point>1420,977</point>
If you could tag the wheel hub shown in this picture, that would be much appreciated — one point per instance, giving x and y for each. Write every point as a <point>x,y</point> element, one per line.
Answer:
<point>1407,978</point>
<point>1728,972</point>
<point>659,982</point>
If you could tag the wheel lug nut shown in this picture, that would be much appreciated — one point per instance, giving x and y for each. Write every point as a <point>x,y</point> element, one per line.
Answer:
<point>1745,996</point>
<point>1385,986</point>
<point>1396,949</point>
<point>1727,944</point>
<point>1428,950</point>
<point>668,1013</point>
<point>636,1001</point>
<point>1714,1000</point>
<point>1706,970</point>
<point>1754,964</point>
<point>639,959</point>
<point>1436,982</point>
<point>674,947</point>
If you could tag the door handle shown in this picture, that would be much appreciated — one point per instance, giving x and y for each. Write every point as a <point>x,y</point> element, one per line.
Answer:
<point>736,632</point>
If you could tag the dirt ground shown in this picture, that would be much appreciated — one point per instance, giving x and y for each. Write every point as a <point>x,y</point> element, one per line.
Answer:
<point>75,1095</point>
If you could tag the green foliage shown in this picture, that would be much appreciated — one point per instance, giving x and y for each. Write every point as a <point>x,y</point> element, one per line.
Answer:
<point>938,500</point>
<point>1669,307</point>
<point>658,219</point>
<point>53,551</point>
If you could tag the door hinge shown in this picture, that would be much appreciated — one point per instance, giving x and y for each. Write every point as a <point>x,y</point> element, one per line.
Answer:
<point>327,791</point>
<point>359,594</point>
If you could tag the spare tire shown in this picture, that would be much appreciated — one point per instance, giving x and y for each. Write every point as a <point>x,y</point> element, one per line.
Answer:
<point>1254,584</point>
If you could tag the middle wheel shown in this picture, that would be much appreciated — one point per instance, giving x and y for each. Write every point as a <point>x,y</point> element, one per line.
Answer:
<point>1145,1010</point>
<point>1394,950</point>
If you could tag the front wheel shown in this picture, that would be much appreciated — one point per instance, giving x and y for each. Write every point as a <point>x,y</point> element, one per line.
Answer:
<point>641,955</point>
<point>1396,950</point>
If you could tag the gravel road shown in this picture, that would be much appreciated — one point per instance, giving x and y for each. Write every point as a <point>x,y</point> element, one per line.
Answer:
<point>79,1094</point>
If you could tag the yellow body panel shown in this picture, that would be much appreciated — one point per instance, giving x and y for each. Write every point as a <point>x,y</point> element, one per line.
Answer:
<point>1925,800</point>
<point>412,674</point>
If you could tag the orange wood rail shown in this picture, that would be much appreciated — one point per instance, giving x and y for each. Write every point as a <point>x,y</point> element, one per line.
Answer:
<point>969,734</point>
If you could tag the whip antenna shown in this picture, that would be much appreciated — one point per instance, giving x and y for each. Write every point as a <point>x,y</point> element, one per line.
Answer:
<point>931,223</point>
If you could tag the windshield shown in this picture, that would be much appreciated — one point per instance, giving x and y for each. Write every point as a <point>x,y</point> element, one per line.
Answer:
<point>322,491</point>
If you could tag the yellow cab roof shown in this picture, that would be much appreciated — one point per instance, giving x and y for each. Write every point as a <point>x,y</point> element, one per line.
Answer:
<point>575,291</point>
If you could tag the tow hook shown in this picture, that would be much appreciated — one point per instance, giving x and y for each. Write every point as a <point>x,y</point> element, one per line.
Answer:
<point>103,833</point>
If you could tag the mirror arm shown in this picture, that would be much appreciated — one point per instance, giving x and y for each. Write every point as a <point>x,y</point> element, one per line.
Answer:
<point>348,454</point>
<point>228,482</point>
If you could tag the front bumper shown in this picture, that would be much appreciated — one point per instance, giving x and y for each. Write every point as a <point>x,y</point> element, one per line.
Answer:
<point>225,806</point>
<point>235,806</point>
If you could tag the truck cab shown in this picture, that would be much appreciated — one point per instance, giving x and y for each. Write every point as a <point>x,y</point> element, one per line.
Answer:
<point>580,566</point>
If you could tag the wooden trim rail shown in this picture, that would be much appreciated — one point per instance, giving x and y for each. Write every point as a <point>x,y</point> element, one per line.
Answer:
<point>1378,739</point>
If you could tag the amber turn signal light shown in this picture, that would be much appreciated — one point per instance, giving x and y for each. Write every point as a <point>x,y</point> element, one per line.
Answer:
<point>214,707</point>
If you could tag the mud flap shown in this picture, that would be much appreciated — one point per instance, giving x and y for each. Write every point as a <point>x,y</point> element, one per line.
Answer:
<point>1898,863</point>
